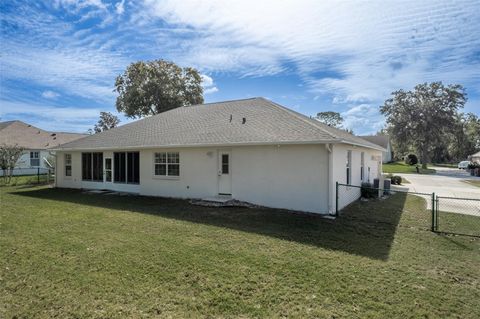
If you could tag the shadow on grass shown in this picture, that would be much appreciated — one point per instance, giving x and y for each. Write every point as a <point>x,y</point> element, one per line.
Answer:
<point>364,228</point>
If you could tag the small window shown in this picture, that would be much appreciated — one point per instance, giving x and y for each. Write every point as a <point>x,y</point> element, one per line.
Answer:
<point>34,159</point>
<point>167,164</point>
<point>362,167</point>
<point>348,166</point>
<point>225,164</point>
<point>68,164</point>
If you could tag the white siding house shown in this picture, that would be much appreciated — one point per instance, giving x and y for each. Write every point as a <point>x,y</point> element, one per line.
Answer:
<point>36,144</point>
<point>251,150</point>
<point>384,142</point>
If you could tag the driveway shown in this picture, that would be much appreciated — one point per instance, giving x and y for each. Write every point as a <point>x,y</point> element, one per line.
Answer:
<point>448,182</point>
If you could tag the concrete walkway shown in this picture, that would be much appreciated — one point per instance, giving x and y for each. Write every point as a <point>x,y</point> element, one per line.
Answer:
<point>448,182</point>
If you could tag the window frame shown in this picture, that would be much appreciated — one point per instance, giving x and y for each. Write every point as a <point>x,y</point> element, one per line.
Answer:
<point>131,175</point>
<point>362,166</point>
<point>35,158</point>
<point>68,164</point>
<point>348,166</point>
<point>95,158</point>
<point>167,160</point>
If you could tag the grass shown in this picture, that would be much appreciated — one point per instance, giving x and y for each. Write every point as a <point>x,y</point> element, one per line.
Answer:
<point>473,182</point>
<point>64,253</point>
<point>25,180</point>
<point>402,168</point>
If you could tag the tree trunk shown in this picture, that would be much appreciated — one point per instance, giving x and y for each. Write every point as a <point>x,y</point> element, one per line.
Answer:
<point>424,159</point>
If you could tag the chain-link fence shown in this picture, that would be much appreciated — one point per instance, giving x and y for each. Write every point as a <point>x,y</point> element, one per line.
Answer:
<point>26,176</point>
<point>457,215</point>
<point>442,214</point>
<point>393,206</point>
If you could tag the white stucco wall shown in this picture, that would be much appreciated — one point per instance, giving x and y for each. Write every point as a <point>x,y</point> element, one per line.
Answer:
<point>372,161</point>
<point>288,176</point>
<point>387,155</point>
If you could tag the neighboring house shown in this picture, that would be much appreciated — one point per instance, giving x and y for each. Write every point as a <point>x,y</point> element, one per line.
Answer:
<point>35,142</point>
<point>251,150</point>
<point>475,157</point>
<point>384,142</point>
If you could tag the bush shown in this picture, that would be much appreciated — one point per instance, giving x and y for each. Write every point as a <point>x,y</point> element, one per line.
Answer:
<point>411,159</point>
<point>368,191</point>
<point>396,180</point>
<point>473,165</point>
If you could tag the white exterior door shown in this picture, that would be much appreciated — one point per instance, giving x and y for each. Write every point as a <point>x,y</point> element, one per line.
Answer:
<point>224,172</point>
<point>107,170</point>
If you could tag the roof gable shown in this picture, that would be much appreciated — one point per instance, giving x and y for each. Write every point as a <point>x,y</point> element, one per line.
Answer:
<point>381,140</point>
<point>31,137</point>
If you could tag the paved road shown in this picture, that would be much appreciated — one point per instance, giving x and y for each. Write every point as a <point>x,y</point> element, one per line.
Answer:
<point>448,182</point>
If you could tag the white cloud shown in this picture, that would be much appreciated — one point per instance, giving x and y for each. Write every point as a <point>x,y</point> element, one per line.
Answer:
<point>51,117</point>
<point>120,7</point>
<point>80,71</point>
<point>355,53</point>
<point>210,90</point>
<point>50,94</point>
<point>208,85</point>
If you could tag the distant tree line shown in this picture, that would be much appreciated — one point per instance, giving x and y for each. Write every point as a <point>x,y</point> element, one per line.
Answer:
<point>428,122</point>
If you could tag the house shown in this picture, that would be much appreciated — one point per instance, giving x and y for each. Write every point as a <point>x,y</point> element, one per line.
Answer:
<point>252,150</point>
<point>475,157</point>
<point>384,142</point>
<point>36,143</point>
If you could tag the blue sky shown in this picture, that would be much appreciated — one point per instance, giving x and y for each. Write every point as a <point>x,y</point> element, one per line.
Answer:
<point>59,59</point>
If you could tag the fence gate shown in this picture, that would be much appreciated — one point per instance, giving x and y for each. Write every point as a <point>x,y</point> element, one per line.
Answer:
<point>457,215</point>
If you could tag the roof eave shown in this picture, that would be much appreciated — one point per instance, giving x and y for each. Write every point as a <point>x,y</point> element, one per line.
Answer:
<point>375,147</point>
<point>197,145</point>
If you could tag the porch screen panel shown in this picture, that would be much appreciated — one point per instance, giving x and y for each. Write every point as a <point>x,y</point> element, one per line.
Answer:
<point>119,167</point>
<point>133,168</point>
<point>97,164</point>
<point>87,166</point>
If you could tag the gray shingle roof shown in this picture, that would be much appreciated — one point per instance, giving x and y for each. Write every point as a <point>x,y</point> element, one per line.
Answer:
<point>381,140</point>
<point>219,124</point>
<point>31,137</point>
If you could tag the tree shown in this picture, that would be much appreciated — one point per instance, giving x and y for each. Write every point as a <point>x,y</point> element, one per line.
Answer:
<point>9,156</point>
<point>148,88</point>
<point>107,121</point>
<point>423,117</point>
<point>333,119</point>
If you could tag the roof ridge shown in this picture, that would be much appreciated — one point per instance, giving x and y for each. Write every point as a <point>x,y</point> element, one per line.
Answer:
<point>301,117</point>
<point>227,101</point>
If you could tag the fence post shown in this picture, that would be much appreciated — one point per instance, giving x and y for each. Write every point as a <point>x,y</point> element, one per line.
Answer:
<point>336,199</point>
<point>38,175</point>
<point>433,212</point>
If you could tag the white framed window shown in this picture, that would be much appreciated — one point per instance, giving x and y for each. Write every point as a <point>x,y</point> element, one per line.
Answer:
<point>34,159</point>
<point>167,164</point>
<point>68,164</point>
<point>349,167</point>
<point>362,166</point>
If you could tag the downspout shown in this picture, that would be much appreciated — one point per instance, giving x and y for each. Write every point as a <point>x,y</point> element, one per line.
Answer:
<point>330,182</point>
<point>55,171</point>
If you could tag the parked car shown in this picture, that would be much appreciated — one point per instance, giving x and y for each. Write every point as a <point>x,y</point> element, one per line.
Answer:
<point>463,164</point>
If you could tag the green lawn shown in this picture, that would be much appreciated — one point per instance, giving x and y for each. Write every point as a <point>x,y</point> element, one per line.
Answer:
<point>67,254</point>
<point>26,180</point>
<point>401,167</point>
